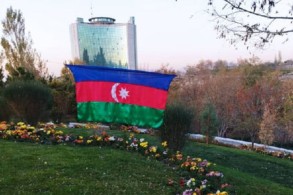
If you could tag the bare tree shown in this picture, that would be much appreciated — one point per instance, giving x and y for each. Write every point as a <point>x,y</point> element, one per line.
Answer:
<point>285,119</point>
<point>221,92</point>
<point>257,22</point>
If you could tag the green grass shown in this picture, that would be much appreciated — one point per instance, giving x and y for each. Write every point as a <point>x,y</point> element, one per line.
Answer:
<point>27,168</point>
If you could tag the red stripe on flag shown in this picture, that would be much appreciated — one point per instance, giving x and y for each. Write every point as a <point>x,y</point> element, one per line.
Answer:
<point>96,91</point>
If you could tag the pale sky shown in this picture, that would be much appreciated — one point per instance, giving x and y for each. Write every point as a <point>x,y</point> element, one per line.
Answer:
<point>168,32</point>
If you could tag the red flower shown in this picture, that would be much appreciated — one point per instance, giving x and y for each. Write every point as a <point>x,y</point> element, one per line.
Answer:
<point>182,182</point>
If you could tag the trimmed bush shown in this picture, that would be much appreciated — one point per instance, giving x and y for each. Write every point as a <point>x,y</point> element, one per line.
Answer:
<point>29,101</point>
<point>177,121</point>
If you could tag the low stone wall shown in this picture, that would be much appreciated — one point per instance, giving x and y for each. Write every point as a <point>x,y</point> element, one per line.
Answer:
<point>238,143</point>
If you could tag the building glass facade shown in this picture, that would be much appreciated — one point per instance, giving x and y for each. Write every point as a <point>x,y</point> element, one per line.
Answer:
<point>104,43</point>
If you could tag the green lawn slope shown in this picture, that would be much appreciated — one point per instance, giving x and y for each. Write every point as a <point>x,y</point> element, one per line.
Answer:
<point>28,168</point>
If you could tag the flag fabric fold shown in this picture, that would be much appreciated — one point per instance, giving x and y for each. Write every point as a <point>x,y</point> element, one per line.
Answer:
<point>124,96</point>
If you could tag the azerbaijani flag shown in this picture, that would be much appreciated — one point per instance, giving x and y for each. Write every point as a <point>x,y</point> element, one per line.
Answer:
<point>125,96</point>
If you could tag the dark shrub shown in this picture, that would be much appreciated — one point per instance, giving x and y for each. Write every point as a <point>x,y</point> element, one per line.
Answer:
<point>29,101</point>
<point>177,121</point>
<point>5,112</point>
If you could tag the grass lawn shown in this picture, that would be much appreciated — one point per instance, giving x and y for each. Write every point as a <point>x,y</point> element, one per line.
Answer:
<point>27,168</point>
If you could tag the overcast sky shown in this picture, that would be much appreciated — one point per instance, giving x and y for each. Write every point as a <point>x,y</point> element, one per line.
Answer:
<point>168,32</point>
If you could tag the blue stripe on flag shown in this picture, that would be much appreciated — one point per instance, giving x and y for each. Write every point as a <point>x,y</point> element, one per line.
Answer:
<point>98,73</point>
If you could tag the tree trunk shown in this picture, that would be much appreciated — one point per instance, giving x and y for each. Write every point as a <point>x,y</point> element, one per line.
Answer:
<point>207,138</point>
<point>252,143</point>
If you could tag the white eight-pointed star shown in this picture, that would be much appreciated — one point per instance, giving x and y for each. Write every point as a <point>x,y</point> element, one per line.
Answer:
<point>123,93</point>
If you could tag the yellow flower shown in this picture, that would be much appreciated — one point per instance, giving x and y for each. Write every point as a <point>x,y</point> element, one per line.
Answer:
<point>164,144</point>
<point>59,133</point>
<point>144,144</point>
<point>192,168</point>
<point>80,137</point>
<point>31,128</point>
<point>48,132</point>
<point>221,193</point>
<point>99,138</point>
<point>89,141</point>
<point>153,149</point>
<point>20,123</point>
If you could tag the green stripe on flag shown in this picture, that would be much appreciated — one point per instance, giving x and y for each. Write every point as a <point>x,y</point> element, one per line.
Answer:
<point>120,113</point>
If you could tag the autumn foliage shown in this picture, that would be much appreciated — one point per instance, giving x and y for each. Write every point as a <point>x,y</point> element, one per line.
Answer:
<point>251,100</point>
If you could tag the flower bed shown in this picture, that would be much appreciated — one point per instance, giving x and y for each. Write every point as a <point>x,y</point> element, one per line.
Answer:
<point>197,175</point>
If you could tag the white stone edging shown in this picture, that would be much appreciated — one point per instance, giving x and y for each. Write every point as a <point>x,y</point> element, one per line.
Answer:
<point>238,143</point>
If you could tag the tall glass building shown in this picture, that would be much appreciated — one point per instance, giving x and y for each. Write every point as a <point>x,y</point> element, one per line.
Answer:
<point>103,42</point>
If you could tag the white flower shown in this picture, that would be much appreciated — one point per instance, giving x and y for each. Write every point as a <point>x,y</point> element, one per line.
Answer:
<point>112,138</point>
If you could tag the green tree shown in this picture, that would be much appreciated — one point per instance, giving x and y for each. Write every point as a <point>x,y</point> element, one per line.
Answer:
<point>1,77</point>
<point>22,60</point>
<point>1,70</point>
<point>5,112</point>
<point>209,122</point>
<point>63,96</point>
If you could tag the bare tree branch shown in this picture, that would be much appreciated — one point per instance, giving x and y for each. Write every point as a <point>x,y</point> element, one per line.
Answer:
<point>252,22</point>
<point>257,14</point>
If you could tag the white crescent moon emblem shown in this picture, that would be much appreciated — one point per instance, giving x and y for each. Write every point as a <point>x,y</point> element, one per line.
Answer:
<point>113,92</point>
